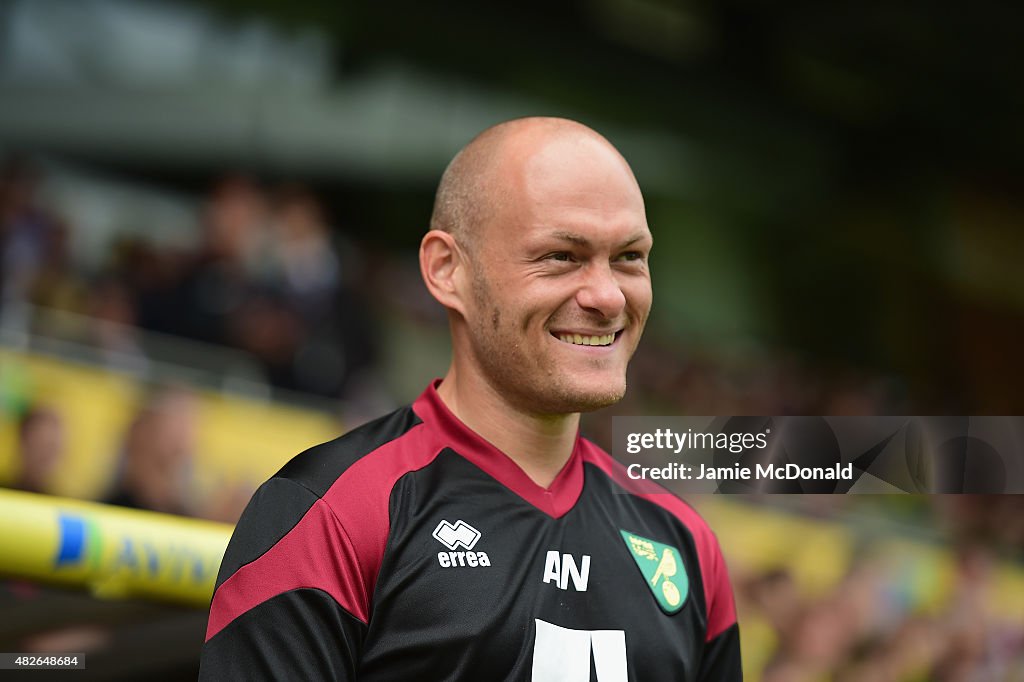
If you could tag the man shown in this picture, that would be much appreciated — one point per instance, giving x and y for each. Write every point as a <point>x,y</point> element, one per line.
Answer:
<point>474,535</point>
<point>40,449</point>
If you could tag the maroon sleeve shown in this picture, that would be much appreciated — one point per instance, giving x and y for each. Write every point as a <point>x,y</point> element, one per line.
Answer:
<point>316,553</point>
<point>296,583</point>
<point>721,607</point>
<point>297,609</point>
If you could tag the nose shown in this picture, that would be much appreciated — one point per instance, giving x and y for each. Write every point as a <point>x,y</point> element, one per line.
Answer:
<point>601,292</point>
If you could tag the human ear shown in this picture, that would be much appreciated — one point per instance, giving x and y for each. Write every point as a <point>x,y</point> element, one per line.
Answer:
<point>443,266</point>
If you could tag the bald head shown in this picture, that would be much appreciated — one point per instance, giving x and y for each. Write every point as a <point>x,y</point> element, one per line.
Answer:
<point>539,251</point>
<point>477,183</point>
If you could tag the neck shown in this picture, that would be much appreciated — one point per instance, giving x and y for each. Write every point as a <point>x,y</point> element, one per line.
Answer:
<point>539,444</point>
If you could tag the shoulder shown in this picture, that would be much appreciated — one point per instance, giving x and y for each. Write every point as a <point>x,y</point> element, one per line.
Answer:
<point>329,502</point>
<point>343,483</point>
<point>318,468</point>
<point>647,490</point>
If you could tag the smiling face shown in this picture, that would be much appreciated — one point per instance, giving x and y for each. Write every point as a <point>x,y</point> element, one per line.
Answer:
<point>561,286</point>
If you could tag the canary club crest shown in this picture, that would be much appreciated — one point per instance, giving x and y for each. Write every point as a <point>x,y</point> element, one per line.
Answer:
<point>662,568</point>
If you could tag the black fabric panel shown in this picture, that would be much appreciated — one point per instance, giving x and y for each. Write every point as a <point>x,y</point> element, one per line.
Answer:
<point>281,502</point>
<point>597,476</point>
<point>469,623</point>
<point>276,507</point>
<point>721,660</point>
<point>298,635</point>
<point>320,466</point>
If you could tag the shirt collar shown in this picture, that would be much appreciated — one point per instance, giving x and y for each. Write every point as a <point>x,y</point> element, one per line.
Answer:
<point>555,500</point>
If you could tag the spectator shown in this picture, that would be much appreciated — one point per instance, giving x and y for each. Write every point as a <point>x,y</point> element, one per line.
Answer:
<point>40,449</point>
<point>198,295</point>
<point>156,459</point>
<point>33,244</point>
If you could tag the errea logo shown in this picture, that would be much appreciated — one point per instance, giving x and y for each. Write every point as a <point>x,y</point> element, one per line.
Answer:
<point>459,534</point>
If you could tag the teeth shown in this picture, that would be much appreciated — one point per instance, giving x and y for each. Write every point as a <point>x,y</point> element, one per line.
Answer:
<point>580,340</point>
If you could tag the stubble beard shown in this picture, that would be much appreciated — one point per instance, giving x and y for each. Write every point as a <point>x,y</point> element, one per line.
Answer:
<point>531,382</point>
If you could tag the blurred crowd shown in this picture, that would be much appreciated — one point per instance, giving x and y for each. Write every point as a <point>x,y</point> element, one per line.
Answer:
<point>265,275</point>
<point>697,381</point>
<point>154,461</point>
<point>862,631</point>
<point>887,620</point>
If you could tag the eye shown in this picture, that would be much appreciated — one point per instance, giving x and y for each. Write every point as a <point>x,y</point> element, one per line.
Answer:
<point>632,256</point>
<point>561,256</point>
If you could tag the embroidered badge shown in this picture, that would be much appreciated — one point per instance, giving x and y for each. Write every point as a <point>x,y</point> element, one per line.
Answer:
<point>662,568</point>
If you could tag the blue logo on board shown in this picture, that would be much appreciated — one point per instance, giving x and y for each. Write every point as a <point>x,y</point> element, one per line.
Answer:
<point>74,539</point>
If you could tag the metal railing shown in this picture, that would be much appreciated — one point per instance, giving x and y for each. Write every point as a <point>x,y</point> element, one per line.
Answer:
<point>149,357</point>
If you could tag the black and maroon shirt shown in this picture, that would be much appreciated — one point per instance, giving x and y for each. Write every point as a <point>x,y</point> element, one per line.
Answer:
<point>412,549</point>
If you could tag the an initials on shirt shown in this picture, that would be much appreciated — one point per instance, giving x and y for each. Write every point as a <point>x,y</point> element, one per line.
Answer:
<point>559,568</point>
<point>564,655</point>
